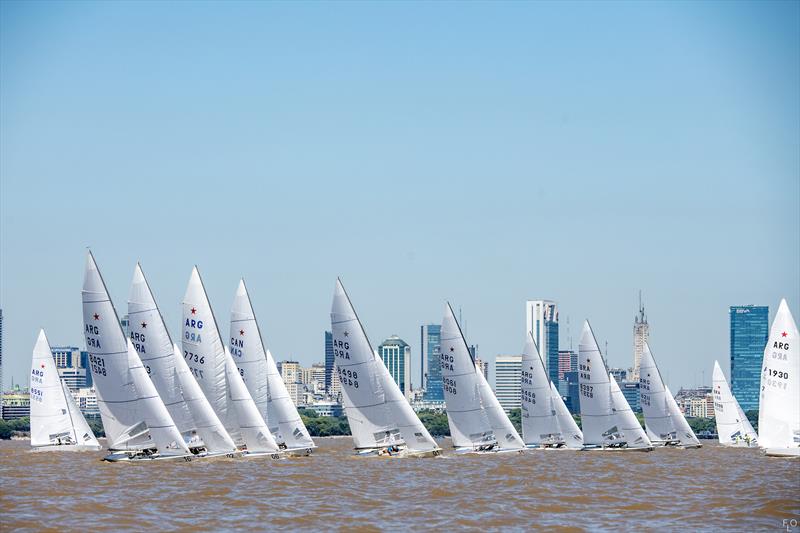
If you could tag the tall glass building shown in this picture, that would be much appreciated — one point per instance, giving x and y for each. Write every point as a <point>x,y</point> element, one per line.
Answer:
<point>507,381</point>
<point>542,322</point>
<point>396,355</point>
<point>430,347</point>
<point>749,334</point>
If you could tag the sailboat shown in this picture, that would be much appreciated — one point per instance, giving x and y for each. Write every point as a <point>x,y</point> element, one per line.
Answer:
<point>779,410</point>
<point>546,421</point>
<point>666,425</point>
<point>478,423</point>
<point>193,416</point>
<point>137,424</point>
<point>381,420</point>
<point>608,421</point>
<point>265,384</point>
<point>733,427</point>
<point>211,363</point>
<point>56,421</point>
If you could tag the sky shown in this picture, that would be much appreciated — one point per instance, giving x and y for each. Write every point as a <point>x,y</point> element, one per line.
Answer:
<point>477,153</point>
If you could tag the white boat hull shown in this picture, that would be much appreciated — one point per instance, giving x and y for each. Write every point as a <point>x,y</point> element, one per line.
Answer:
<point>782,452</point>
<point>616,449</point>
<point>299,452</point>
<point>402,452</point>
<point>67,448</point>
<point>130,457</point>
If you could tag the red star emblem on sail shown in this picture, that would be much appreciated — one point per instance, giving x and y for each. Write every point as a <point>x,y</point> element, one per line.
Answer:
<point>241,333</point>
<point>96,316</point>
<point>784,334</point>
<point>194,311</point>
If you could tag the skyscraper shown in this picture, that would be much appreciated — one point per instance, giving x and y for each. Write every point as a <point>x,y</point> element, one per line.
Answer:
<point>541,320</point>
<point>71,366</point>
<point>507,381</point>
<point>124,322</point>
<point>430,345</point>
<point>641,331</point>
<point>396,355</point>
<point>565,362</point>
<point>329,361</point>
<point>483,366</point>
<point>749,334</point>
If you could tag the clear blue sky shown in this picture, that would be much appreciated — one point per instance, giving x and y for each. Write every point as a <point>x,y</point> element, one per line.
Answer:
<point>483,153</point>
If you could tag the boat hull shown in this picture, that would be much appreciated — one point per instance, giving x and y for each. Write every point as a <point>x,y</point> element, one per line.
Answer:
<point>403,452</point>
<point>472,451</point>
<point>615,449</point>
<point>67,448</point>
<point>126,457</point>
<point>299,452</point>
<point>782,452</point>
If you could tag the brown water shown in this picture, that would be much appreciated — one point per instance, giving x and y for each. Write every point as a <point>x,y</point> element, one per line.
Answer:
<point>713,488</point>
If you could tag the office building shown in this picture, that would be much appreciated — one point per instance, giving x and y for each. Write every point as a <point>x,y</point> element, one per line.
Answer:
<point>483,367</point>
<point>641,332</point>
<point>396,356</point>
<point>71,366</point>
<point>566,360</point>
<point>630,390</point>
<point>16,404</point>
<point>749,333</point>
<point>542,322</point>
<point>573,395</point>
<point>330,371</point>
<point>697,402</point>
<point>507,381</point>
<point>124,322</point>
<point>620,374</point>
<point>313,377</point>
<point>430,341</point>
<point>86,398</point>
<point>291,374</point>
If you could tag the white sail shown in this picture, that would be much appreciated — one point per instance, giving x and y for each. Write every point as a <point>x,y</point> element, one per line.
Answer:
<point>254,431</point>
<point>683,429</point>
<point>632,432</point>
<point>662,416</point>
<point>207,424</point>
<point>134,417</point>
<point>260,374</point>
<point>149,335</point>
<point>545,419</point>
<point>573,437</point>
<point>504,431</point>
<point>55,418</point>
<point>595,390</point>
<point>467,398</point>
<point>373,407</point>
<point>204,353</point>
<point>733,427</point>
<point>779,410</point>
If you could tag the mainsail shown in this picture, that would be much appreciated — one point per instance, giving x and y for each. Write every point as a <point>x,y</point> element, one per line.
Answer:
<point>55,417</point>
<point>629,427</point>
<point>378,414</point>
<point>134,417</point>
<point>166,366</point>
<point>733,427</point>
<point>545,419</point>
<point>475,417</point>
<point>779,410</point>
<point>663,418</point>
<point>606,415</point>
<point>205,353</point>
<point>260,375</point>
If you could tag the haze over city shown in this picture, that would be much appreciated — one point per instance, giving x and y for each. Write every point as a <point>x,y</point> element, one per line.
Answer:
<point>485,155</point>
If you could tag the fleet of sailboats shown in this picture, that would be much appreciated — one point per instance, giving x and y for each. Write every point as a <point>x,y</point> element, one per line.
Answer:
<point>159,401</point>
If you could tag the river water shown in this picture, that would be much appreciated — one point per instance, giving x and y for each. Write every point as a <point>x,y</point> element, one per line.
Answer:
<point>713,488</point>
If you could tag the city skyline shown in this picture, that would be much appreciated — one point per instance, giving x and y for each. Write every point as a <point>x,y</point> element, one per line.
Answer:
<point>518,151</point>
